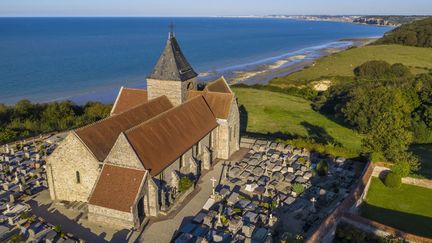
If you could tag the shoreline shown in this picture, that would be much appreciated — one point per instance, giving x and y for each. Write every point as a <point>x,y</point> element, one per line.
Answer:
<point>255,72</point>
<point>299,60</point>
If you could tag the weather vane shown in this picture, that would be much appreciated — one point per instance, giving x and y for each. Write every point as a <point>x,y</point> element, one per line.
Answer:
<point>171,28</point>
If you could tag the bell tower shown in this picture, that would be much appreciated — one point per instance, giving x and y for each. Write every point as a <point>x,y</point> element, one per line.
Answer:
<point>172,75</point>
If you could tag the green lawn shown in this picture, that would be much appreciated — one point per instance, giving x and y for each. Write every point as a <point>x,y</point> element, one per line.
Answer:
<point>424,153</point>
<point>270,112</point>
<point>343,63</point>
<point>408,208</point>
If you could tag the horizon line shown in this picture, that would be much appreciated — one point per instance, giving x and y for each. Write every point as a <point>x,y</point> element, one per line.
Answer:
<point>205,16</point>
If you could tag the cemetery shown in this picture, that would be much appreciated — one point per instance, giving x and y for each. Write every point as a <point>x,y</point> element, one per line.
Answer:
<point>22,177</point>
<point>275,191</point>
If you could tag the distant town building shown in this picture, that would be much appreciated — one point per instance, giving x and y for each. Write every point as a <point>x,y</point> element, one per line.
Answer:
<point>128,166</point>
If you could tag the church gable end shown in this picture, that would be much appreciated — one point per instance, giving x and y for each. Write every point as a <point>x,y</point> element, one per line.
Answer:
<point>73,170</point>
<point>123,154</point>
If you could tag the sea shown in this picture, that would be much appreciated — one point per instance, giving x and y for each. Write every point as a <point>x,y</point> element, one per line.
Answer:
<point>82,59</point>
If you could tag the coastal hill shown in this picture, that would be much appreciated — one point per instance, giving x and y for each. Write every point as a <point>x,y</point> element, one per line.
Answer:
<point>340,66</point>
<point>418,33</point>
<point>409,45</point>
<point>384,20</point>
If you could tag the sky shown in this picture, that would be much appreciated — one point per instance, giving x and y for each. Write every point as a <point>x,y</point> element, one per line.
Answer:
<point>211,7</point>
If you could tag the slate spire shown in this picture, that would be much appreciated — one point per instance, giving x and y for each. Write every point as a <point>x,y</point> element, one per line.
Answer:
<point>172,64</point>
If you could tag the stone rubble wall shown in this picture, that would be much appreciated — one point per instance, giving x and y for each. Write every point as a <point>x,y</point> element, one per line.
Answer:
<point>110,216</point>
<point>176,91</point>
<point>123,154</point>
<point>72,156</point>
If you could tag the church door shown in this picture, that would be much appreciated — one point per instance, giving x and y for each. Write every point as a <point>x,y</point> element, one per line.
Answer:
<point>141,214</point>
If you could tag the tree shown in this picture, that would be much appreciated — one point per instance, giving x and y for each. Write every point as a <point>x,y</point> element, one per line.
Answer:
<point>384,115</point>
<point>372,70</point>
<point>401,168</point>
<point>417,33</point>
<point>96,110</point>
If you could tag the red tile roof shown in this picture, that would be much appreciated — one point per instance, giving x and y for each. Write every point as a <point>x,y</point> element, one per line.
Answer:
<point>128,98</point>
<point>220,85</point>
<point>161,140</point>
<point>117,188</point>
<point>220,103</point>
<point>100,136</point>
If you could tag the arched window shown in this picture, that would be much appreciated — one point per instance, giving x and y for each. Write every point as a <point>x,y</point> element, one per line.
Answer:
<point>78,177</point>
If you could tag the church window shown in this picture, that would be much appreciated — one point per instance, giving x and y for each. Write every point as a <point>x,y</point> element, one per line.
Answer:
<point>78,177</point>
<point>161,176</point>
<point>190,86</point>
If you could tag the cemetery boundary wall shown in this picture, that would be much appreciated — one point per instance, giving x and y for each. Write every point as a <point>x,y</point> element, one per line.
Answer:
<point>325,232</point>
<point>379,229</point>
<point>347,209</point>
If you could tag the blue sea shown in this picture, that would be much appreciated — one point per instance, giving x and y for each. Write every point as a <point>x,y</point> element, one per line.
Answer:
<point>45,59</point>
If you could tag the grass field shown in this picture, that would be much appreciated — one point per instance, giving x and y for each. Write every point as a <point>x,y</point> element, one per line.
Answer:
<point>343,63</point>
<point>408,208</point>
<point>270,112</point>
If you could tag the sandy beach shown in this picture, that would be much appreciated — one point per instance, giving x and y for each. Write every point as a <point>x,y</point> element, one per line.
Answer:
<point>261,74</point>
<point>247,74</point>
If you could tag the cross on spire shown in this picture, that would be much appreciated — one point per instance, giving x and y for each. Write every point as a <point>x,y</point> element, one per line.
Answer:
<point>171,30</point>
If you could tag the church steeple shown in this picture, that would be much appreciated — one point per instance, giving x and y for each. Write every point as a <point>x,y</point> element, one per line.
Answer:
<point>172,64</point>
<point>172,76</point>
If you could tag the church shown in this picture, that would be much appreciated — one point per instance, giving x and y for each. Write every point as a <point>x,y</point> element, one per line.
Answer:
<point>127,166</point>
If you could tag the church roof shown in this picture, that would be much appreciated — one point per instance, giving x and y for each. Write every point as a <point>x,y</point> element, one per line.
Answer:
<point>220,85</point>
<point>100,136</point>
<point>127,98</point>
<point>117,188</point>
<point>172,64</point>
<point>161,140</point>
<point>219,103</point>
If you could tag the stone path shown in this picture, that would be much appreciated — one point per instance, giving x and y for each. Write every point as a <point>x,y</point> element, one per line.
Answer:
<point>163,231</point>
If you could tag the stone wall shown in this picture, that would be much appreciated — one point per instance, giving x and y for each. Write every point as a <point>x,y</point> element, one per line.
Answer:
<point>204,152</point>
<point>379,229</point>
<point>70,157</point>
<point>123,154</point>
<point>153,197</point>
<point>228,137</point>
<point>111,216</point>
<point>223,140</point>
<point>234,124</point>
<point>325,231</point>
<point>176,91</point>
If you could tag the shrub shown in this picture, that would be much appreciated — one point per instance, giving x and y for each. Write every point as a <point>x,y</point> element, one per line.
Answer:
<point>322,168</point>
<point>401,168</point>
<point>298,188</point>
<point>16,238</point>
<point>393,180</point>
<point>301,160</point>
<point>184,184</point>
<point>313,146</point>
<point>372,69</point>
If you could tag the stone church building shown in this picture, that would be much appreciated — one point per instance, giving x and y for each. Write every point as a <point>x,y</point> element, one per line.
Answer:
<point>128,166</point>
